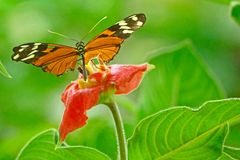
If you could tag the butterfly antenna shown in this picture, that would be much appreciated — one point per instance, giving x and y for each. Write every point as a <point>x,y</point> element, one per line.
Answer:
<point>94,27</point>
<point>62,35</point>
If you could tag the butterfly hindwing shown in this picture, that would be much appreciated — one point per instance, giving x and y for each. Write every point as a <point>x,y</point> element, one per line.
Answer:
<point>107,44</point>
<point>53,58</point>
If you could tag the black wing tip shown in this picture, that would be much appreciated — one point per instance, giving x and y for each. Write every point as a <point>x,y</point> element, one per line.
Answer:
<point>15,49</point>
<point>15,54</point>
<point>142,17</point>
<point>13,58</point>
<point>139,15</point>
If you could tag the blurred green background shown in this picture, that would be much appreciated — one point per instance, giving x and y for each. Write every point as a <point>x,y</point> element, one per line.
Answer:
<point>30,101</point>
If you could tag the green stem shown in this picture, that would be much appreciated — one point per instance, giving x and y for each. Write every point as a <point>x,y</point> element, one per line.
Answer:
<point>122,145</point>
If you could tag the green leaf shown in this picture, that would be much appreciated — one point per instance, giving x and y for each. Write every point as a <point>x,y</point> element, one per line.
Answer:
<point>225,156</point>
<point>232,151</point>
<point>235,11</point>
<point>233,137</point>
<point>180,78</point>
<point>43,146</point>
<point>181,132</point>
<point>98,133</point>
<point>222,1</point>
<point>3,71</point>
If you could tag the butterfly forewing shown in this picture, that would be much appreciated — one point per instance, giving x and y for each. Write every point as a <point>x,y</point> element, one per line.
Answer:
<point>53,58</point>
<point>107,44</point>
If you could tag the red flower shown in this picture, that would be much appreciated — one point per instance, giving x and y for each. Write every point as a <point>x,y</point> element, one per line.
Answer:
<point>80,96</point>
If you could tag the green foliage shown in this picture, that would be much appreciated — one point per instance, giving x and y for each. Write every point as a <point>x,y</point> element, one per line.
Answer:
<point>98,133</point>
<point>180,78</point>
<point>180,132</point>
<point>225,156</point>
<point>43,146</point>
<point>3,71</point>
<point>232,151</point>
<point>235,11</point>
<point>31,101</point>
<point>222,1</point>
<point>184,132</point>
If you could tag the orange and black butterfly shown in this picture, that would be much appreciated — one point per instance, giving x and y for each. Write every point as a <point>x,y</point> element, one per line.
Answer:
<point>57,59</point>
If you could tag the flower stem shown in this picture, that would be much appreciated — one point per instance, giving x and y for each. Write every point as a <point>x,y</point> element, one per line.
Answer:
<point>122,145</point>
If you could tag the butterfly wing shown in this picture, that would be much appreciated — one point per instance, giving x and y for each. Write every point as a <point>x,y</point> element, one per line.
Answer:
<point>52,58</point>
<point>107,44</point>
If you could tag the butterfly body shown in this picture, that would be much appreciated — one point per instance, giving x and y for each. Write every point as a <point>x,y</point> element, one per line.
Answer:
<point>80,47</point>
<point>57,59</point>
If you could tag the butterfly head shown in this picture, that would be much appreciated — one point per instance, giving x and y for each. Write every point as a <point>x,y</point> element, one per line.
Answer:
<point>80,46</point>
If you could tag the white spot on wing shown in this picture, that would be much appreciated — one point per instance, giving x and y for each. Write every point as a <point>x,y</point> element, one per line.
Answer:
<point>127,31</point>
<point>29,57</point>
<point>20,50</point>
<point>125,27</point>
<point>139,23</point>
<point>35,47</point>
<point>134,17</point>
<point>24,46</point>
<point>16,56</point>
<point>122,23</point>
<point>32,52</point>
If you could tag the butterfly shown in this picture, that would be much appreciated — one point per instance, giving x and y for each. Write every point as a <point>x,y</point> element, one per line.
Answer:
<point>57,59</point>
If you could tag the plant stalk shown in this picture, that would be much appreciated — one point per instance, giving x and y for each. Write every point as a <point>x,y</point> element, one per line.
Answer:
<point>121,139</point>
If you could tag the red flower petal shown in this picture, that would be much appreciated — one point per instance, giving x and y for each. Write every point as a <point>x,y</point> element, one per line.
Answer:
<point>77,101</point>
<point>126,78</point>
<point>122,78</point>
